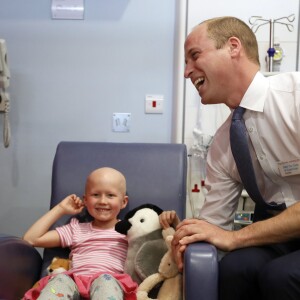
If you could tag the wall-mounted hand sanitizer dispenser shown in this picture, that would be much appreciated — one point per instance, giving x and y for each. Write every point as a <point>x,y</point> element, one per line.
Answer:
<point>4,70</point>
<point>4,96</point>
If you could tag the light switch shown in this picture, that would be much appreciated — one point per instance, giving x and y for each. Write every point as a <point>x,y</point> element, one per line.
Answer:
<point>154,104</point>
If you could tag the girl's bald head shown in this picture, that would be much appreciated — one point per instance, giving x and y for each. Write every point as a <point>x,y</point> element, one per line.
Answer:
<point>108,175</point>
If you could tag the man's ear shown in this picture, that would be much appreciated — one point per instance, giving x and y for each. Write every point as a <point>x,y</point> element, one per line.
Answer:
<point>84,199</point>
<point>234,46</point>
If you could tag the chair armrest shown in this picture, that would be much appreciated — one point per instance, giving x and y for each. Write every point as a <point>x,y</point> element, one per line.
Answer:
<point>20,266</point>
<point>201,272</point>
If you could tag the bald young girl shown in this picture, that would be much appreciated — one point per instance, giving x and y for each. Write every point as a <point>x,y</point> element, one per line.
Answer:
<point>97,253</point>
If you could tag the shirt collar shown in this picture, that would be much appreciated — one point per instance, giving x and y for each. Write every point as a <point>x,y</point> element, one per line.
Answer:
<point>255,96</point>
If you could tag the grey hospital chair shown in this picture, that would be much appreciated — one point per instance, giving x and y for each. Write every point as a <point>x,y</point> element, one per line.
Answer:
<point>155,173</point>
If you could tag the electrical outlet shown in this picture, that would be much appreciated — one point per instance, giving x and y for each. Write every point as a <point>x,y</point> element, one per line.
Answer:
<point>121,122</point>
<point>154,104</point>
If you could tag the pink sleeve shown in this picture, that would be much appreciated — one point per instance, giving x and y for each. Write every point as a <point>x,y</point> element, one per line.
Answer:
<point>66,232</point>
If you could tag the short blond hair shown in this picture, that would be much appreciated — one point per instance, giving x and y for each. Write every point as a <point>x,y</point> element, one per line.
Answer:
<point>222,28</point>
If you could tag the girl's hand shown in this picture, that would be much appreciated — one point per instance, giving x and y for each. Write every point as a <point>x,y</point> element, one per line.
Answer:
<point>71,205</point>
<point>168,218</point>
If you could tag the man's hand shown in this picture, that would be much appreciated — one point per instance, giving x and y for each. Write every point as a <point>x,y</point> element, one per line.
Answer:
<point>178,252</point>
<point>194,230</point>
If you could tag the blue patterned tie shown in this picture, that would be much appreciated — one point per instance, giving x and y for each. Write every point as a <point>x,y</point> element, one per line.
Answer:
<point>241,154</point>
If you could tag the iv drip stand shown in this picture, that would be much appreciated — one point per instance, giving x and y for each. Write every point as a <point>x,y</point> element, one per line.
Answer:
<point>257,21</point>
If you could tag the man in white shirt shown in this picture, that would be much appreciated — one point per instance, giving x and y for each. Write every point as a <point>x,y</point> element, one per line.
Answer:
<point>263,259</point>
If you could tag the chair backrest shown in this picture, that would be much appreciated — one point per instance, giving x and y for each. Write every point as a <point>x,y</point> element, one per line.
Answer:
<point>155,173</point>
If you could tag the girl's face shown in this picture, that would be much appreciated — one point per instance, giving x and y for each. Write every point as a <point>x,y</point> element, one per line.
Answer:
<point>104,199</point>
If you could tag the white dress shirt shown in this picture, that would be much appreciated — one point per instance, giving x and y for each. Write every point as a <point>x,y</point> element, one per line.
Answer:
<point>272,120</point>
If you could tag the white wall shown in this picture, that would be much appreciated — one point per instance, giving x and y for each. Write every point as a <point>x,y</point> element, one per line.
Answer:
<point>68,78</point>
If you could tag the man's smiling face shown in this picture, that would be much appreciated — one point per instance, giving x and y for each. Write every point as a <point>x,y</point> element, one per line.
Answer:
<point>206,66</point>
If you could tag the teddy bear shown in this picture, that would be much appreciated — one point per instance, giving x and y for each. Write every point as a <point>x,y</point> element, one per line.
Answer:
<point>146,245</point>
<point>58,265</point>
<point>168,274</point>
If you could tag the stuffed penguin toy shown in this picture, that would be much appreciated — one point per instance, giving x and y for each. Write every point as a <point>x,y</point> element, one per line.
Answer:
<point>146,245</point>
